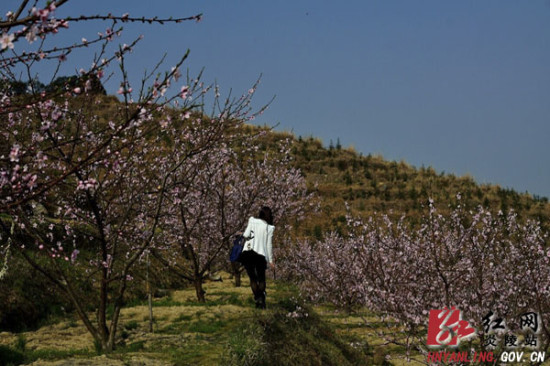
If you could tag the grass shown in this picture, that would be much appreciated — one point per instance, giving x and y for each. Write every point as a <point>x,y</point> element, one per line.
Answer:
<point>131,325</point>
<point>227,330</point>
<point>183,318</point>
<point>206,326</point>
<point>223,331</point>
<point>290,334</point>
<point>220,298</point>
<point>133,347</point>
<point>10,356</point>
<point>15,356</point>
<point>187,332</point>
<point>167,302</point>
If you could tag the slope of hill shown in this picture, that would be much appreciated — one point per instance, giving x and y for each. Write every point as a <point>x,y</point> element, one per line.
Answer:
<point>370,184</point>
<point>227,330</point>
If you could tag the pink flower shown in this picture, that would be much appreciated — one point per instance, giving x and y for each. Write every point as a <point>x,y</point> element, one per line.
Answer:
<point>86,184</point>
<point>43,14</point>
<point>6,41</point>
<point>109,34</point>
<point>74,255</point>
<point>14,153</point>
<point>177,73</point>
<point>184,91</point>
<point>31,34</point>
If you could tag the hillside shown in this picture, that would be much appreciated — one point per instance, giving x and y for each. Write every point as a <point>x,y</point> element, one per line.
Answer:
<point>371,184</point>
<point>227,330</point>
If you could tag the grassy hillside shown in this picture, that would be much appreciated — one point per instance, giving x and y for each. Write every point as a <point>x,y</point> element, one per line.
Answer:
<point>227,330</point>
<point>371,184</point>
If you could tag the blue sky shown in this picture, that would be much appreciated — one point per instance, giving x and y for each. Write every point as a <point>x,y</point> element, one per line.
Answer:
<point>462,86</point>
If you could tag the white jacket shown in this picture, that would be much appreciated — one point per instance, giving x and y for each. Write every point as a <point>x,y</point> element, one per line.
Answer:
<point>259,235</point>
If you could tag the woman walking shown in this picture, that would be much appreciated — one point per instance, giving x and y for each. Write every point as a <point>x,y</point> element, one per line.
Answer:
<point>257,252</point>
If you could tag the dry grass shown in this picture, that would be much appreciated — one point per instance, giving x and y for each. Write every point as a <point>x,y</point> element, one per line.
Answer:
<point>179,323</point>
<point>189,333</point>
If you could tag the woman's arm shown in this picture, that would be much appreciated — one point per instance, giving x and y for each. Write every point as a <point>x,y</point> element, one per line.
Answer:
<point>270,246</point>
<point>248,231</point>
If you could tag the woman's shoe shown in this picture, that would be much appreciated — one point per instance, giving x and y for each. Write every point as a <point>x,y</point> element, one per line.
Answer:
<point>258,301</point>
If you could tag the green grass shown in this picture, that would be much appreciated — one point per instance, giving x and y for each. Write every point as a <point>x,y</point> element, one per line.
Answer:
<point>183,318</point>
<point>168,302</point>
<point>131,325</point>
<point>227,298</point>
<point>205,353</point>
<point>206,326</point>
<point>227,330</point>
<point>14,356</point>
<point>292,333</point>
<point>54,354</point>
<point>132,347</point>
<point>224,299</point>
<point>10,356</point>
<point>203,326</point>
<point>21,343</point>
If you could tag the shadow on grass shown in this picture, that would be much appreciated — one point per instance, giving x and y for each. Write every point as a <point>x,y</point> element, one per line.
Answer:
<point>291,333</point>
<point>13,356</point>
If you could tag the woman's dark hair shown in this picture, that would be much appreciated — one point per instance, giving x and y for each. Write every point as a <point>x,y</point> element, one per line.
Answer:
<point>266,215</point>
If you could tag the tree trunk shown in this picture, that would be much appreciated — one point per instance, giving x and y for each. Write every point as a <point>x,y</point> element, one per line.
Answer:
<point>149,296</point>
<point>104,342</point>
<point>103,330</point>
<point>236,274</point>
<point>111,342</point>
<point>199,290</point>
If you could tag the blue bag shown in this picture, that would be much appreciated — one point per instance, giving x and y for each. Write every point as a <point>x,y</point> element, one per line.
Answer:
<point>237,249</point>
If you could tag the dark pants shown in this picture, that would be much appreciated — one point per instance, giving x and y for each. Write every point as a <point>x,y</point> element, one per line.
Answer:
<point>255,265</point>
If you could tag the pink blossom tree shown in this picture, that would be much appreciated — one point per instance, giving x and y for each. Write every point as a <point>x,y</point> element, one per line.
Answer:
<point>265,176</point>
<point>26,140</point>
<point>228,185</point>
<point>82,192</point>
<point>474,260</point>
